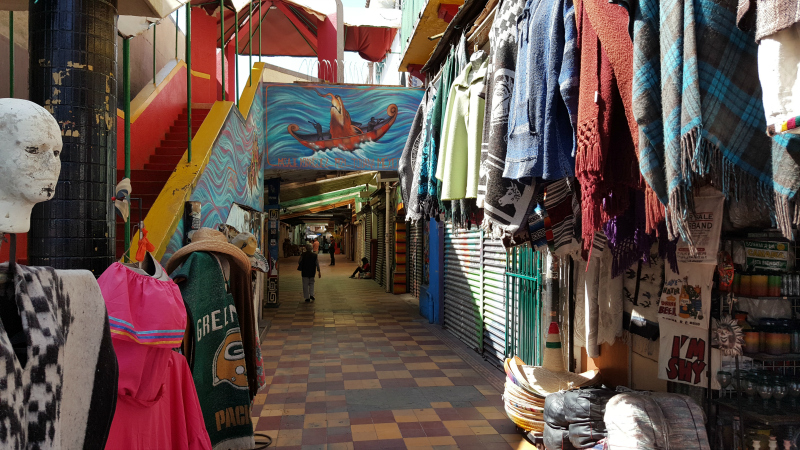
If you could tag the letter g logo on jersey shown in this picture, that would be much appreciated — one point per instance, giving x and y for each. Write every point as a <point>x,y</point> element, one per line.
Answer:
<point>229,365</point>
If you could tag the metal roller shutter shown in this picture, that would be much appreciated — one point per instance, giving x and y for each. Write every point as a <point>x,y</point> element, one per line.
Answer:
<point>415,257</point>
<point>380,266</point>
<point>493,262</point>
<point>462,285</point>
<point>359,242</point>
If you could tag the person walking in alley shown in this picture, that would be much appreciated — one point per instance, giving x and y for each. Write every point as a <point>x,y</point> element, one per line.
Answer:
<point>363,269</point>
<point>332,251</point>
<point>316,245</point>
<point>308,264</point>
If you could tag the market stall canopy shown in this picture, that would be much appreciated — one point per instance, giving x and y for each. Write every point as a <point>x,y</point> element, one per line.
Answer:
<point>289,28</point>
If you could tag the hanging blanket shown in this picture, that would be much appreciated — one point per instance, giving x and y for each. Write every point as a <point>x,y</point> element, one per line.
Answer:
<point>564,210</point>
<point>505,201</point>
<point>59,371</point>
<point>422,173</point>
<point>405,167</point>
<point>711,94</point>
<point>544,103</point>
<point>605,175</point>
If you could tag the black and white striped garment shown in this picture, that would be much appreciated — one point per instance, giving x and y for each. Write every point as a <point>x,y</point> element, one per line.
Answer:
<point>564,209</point>
<point>58,369</point>
<point>506,202</point>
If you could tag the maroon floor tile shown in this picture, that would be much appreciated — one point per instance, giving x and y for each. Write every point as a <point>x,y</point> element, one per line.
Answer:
<point>443,413</point>
<point>382,417</point>
<point>436,432</point>
<point>380,445</point>
<point>466,381</point>
<point>268,423</point>
<point>316,386</point>
<point>409,426</point>
<point>360,420</point>
<point>412,433</point>
<point>398,383</point>
<point>503,426</point>
<point>469,414</point>
<point>426,373</point>
<point>255,411</point>
<point>315,407</point>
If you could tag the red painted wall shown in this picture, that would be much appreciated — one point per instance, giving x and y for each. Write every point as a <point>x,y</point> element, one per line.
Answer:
<point>205,32</point>
<point>22,249</point>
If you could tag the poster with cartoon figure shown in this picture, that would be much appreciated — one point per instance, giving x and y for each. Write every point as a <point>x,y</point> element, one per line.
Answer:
<point>686,297</point>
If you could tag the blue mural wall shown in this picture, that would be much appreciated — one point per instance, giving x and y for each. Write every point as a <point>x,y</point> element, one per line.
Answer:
<point>378,120</point>
<point>234,172</point>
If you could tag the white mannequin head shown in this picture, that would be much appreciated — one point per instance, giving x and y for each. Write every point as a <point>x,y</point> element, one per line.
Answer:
<point>30,145</point>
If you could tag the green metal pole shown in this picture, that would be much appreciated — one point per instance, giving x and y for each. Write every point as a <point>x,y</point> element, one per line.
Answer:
<point>11,54</point>
<point>154,52</point>
<point>261,19</point>
<point>177,29</point>
<point>126,106</point>
<point>189,80</point>
<point>236,56</point>
<point>222,42</point>
<point>250,44</point>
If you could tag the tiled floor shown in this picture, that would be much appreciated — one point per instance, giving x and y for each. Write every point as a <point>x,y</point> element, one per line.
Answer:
<point>359,369</point>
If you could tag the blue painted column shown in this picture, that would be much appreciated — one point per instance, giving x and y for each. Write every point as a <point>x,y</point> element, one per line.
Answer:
<point>436,271</point>
<point>272,209</point>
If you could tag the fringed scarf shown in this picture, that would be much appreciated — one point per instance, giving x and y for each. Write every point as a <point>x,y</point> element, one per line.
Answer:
<point>611,22</point>
<point>605,176</point>
<point>406,167</point>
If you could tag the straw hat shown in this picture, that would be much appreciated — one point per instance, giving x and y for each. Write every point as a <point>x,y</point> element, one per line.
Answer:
<point>209,240</point>
<point>551,376</point>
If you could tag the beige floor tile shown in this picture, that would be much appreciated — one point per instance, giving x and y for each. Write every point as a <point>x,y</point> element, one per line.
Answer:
<point>483,430</point>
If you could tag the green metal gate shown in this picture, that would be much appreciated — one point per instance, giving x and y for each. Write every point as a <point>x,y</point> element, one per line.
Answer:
<point>524,304</point>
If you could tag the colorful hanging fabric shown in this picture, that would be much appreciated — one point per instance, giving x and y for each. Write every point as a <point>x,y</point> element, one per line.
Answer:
<point>544,102</point>
<point>605,176</point>
<point>459,159</point>
<point>628,239</point>
<point>564,210</point>
<point>609,21</point>
<point>405,166</point>
<point>711,94</point>
<point>505,201</point>
<point>422,173</point>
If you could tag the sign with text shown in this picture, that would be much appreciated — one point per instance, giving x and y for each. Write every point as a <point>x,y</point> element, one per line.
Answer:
<point>704,224</point>
<point>683,355</point>
<point>338,127</point>
<point>766,255</point>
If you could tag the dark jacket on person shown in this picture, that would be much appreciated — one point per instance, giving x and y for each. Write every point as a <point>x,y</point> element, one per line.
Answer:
<point>308,264</point>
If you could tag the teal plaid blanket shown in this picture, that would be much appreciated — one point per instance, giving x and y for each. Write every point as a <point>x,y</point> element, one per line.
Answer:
<point>698,104</point>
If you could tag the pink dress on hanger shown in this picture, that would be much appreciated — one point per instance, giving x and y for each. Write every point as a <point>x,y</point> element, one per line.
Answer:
<point>157,405</point>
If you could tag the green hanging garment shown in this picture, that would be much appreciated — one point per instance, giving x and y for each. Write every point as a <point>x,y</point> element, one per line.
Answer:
<point>217,356</point>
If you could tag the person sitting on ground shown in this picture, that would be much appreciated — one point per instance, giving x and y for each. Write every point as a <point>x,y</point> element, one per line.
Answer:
<point>308,265</point>
<point>363,269</point>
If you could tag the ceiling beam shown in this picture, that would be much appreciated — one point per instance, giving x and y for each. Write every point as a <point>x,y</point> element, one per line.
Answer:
<point>317,209</point>
<point>294,191</point>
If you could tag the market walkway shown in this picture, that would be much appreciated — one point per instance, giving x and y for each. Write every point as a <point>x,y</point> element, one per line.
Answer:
<point>359,369</point>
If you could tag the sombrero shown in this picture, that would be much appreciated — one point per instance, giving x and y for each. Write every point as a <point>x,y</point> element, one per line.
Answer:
<point>248,244</point>
<point>551,376</point>
<point>209,240</point>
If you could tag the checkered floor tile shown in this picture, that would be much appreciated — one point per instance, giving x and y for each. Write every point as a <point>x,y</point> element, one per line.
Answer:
<point>359,369</point>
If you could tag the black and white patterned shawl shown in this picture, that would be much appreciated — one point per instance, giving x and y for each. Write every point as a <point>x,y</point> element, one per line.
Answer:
<point>64,396</point>
<point>505,201</point>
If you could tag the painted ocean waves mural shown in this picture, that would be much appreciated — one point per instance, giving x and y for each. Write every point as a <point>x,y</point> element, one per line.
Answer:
<point>324,127</point>
<point>234,172</point>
